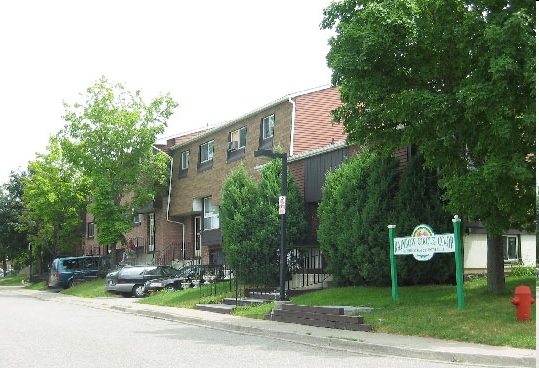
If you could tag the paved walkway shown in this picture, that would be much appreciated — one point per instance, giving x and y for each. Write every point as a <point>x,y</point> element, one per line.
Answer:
<point>361,342</point>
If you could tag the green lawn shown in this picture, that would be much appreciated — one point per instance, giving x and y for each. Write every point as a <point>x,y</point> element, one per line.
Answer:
<point>421,310</point>
<point>12,280</point>
<point>432,311</point>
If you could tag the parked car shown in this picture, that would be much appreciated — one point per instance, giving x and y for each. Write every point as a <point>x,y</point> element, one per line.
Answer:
<point>185,275</point>
<point>64,271</point>
<point>129,281</point>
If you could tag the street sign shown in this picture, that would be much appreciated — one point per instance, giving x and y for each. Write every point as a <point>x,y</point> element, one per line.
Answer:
<point>282,205</point>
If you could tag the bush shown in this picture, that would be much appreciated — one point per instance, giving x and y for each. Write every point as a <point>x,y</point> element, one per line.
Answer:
<point>359,200</point>
<point>521,271</point>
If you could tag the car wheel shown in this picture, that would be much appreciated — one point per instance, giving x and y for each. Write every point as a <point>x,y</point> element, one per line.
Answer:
<point>69,284</point>
<point>170,288</point>
<point>138,291</point>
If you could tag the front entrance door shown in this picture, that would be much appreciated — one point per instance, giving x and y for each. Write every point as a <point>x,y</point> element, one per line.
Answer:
<point>198,236</point>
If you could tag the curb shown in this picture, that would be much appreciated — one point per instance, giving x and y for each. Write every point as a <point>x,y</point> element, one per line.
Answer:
<point>342,344</point>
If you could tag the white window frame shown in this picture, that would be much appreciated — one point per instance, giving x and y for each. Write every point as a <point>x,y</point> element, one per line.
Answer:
<point>511,241</point>
<point>211,215</point>
<point>184,160</point>
<point>206,151</point>
<point>268,126</point>
<point>137,218</point>
<point>91,229</point>
<point>151,232</point>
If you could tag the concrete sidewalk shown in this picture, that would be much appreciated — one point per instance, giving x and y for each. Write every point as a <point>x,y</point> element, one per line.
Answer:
<point>354,341</point>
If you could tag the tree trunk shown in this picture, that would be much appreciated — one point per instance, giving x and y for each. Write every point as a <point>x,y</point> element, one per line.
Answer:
<point>495,266</point>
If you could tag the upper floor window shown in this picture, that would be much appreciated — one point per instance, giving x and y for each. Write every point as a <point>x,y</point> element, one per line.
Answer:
<point>268,124</point>
<point>205,156</point>
<point>184,160</point>
<point>211,215</point>
<point>206,152</point>
<point>237,139</point>
<point>91,230</point>
<point>184,164</point>
<point>236,144</point>
<point>137,218</point>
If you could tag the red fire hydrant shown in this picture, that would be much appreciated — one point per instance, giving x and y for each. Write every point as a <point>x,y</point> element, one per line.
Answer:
<point>523,301</point>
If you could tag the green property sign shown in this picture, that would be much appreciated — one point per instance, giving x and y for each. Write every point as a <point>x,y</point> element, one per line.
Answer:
<point>423,244</point>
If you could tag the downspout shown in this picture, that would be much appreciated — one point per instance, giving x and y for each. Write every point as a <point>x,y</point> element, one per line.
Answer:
<point>293,125</point>
<point>168,207</point>
<point>168,200</point>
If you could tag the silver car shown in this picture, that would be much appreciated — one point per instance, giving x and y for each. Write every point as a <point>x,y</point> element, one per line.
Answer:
<point>129,281</point>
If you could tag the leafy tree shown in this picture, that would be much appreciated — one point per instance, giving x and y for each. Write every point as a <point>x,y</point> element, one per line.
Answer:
<point>357,205</point>
<point>110,140</point>
<point>55,197</point>
<point>251,225</point>
<point>13,239</point>
<point>455,78</point>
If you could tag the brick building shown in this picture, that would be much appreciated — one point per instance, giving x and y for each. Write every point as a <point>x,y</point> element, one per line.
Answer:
<point>295,124</point>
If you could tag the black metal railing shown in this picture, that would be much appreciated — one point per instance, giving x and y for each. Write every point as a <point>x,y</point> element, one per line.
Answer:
<point>307,265</point>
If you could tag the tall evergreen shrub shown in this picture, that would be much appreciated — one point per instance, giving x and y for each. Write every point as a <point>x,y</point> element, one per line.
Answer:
<point>359,200</point>
<point>418,201</point>
<point>357,203</point>
<point>251,224</point>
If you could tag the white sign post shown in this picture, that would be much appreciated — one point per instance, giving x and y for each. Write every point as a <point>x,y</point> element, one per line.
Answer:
<point>282,205</point>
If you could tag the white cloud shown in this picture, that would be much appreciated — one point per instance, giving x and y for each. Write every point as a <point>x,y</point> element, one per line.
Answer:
<point>218,59</point>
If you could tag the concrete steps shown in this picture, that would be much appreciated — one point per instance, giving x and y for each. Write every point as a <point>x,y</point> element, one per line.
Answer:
<point>330,317</point>
<point>230,303</point>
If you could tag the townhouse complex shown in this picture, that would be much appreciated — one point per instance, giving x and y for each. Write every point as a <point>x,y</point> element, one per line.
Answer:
<point>183,226</point>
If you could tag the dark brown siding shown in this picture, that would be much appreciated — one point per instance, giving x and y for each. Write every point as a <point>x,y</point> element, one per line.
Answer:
<point>297,172</point>
<point>315,172</point>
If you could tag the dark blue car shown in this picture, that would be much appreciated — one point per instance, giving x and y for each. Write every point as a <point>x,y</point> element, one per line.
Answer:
<point>65,271</point>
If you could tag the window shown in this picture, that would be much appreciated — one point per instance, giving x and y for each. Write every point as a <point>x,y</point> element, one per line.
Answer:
<point>211,215</point>
<point>511,248</point>
<point>237,139</point>
<point>137,218</point>
<point>151,232</point>
<point>184,164</point>
<point>206,152</point>
<point>268,124</point>
<point>205,156</point>
<point>184,161</point>
<point>236,145</point>
<point>91,229</point>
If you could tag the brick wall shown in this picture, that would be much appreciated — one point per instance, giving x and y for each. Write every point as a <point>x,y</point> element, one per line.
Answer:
<point>210,182</point>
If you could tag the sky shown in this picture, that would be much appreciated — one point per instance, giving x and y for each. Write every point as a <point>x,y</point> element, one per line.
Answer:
<point>218,59</point>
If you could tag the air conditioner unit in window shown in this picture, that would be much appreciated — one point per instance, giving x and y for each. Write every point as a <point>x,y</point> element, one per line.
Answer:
<point>234,145</point>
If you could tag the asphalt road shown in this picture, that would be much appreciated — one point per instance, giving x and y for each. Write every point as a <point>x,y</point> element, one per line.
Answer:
<point>50,332</point>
